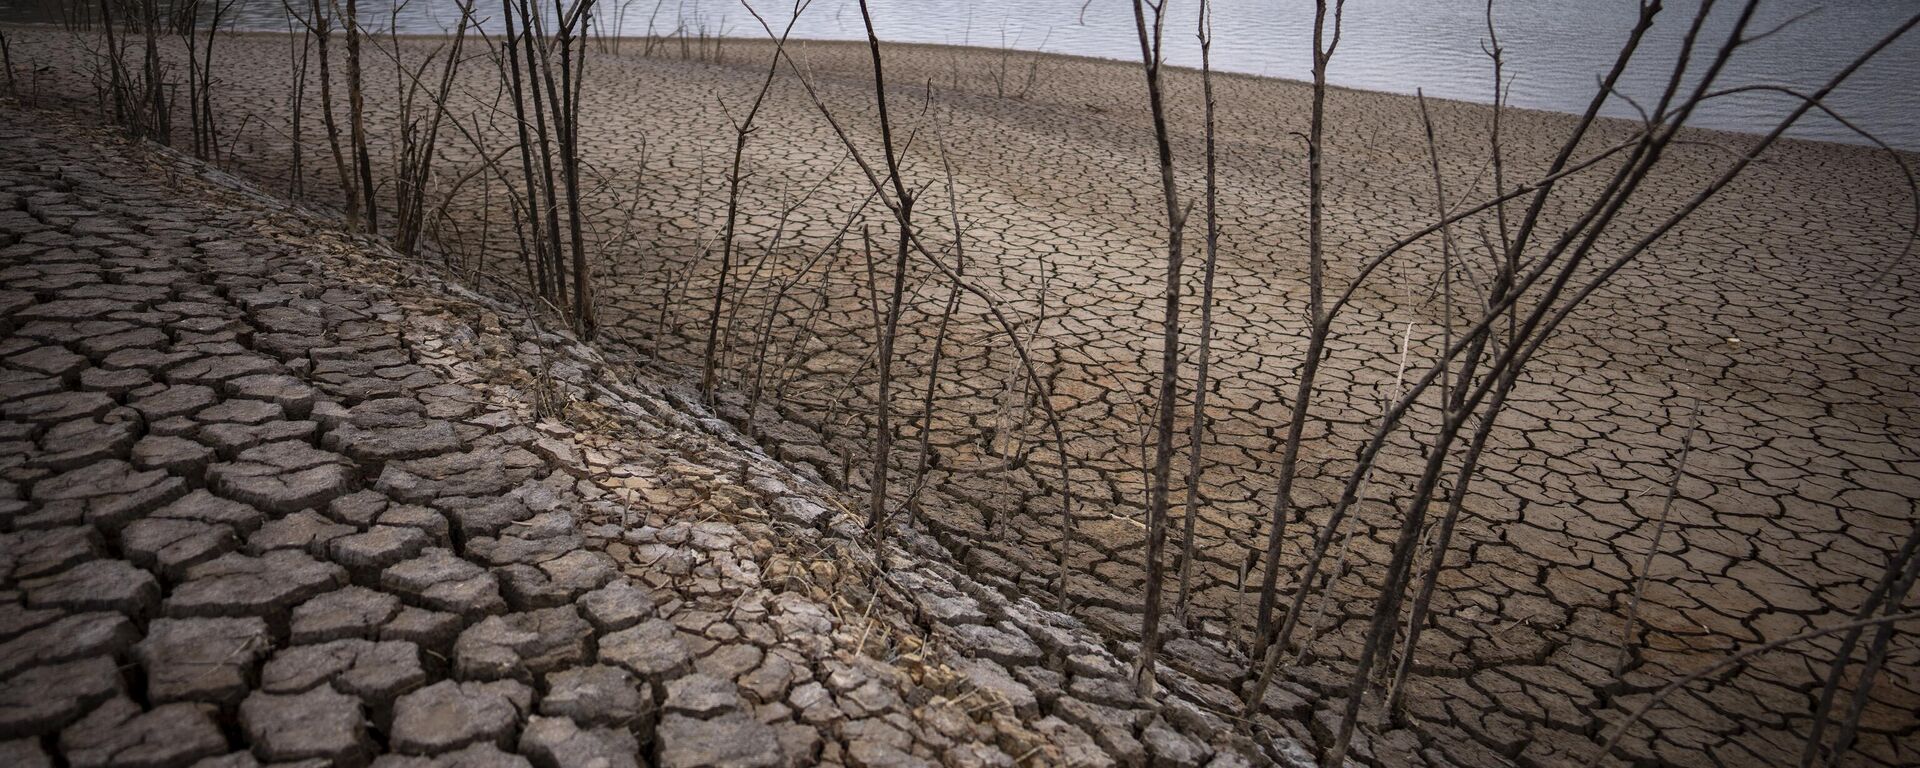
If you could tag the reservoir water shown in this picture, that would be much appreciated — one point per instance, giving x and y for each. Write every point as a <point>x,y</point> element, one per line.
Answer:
<point>1555,49</point>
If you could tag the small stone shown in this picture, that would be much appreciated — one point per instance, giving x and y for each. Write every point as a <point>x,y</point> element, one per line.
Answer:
<point>420,439</point>
<point>214,369</point>
<point>815,704</point>
<point>874,731</point>
<point>873,698</point>
<point>801,511</point>
<point>1203,661</point>
<point>1095,665</point>
<point>230,440</point>
<point>482,473</point>
<point>800,744</point>
<point>72,309</point>
<point>114,382</point>
<point>1107,691</point>
<point>798,618</point>
<point>484,516</point>
<point>358,509</point>
<point>19,385</point>
<point>249,412</point>
<point>428,521</point>
<point>319,723</point>
<point>558,580</point>
<point>232,760</point>
<point>949,609</point>
<point>1046,684</point>
<point>49,360</point>
<point>142,358</point>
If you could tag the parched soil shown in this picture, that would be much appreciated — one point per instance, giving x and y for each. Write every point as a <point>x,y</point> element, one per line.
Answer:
<point>271,492</point>
<point>1783,308</point>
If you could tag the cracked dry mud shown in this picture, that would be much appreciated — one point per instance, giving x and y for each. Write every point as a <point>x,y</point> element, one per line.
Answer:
<point>272,496</point>
<point>1766,309</point>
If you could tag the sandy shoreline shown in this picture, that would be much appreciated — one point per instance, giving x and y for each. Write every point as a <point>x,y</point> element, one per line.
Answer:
<point>1804,468</point>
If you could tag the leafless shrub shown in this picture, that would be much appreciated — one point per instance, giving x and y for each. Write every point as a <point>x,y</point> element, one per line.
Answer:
<point>554,139</point>
<point>419,135</point>
<point>6,60</point>
<point>1196,438</point>
<point>1319,327</point>
<point>356,121</point>
<point>186,21</point>
<point>137,94</point>
<point>995,311</point>
<point>1620,729</point>
<point>743,129</point>
<point>1475,373</point>
<point>1160,473</point>
<point>1888,595</point>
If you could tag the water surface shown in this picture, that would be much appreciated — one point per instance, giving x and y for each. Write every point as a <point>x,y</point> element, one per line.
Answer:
<point>1555,49</point>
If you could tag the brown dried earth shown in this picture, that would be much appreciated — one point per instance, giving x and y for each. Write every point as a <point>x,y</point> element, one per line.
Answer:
<point>272,495</point>
<point>1782,308</point>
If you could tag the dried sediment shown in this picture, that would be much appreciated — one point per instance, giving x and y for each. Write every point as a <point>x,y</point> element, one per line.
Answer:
<point>1768,309</point>
<point>270,494</point>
